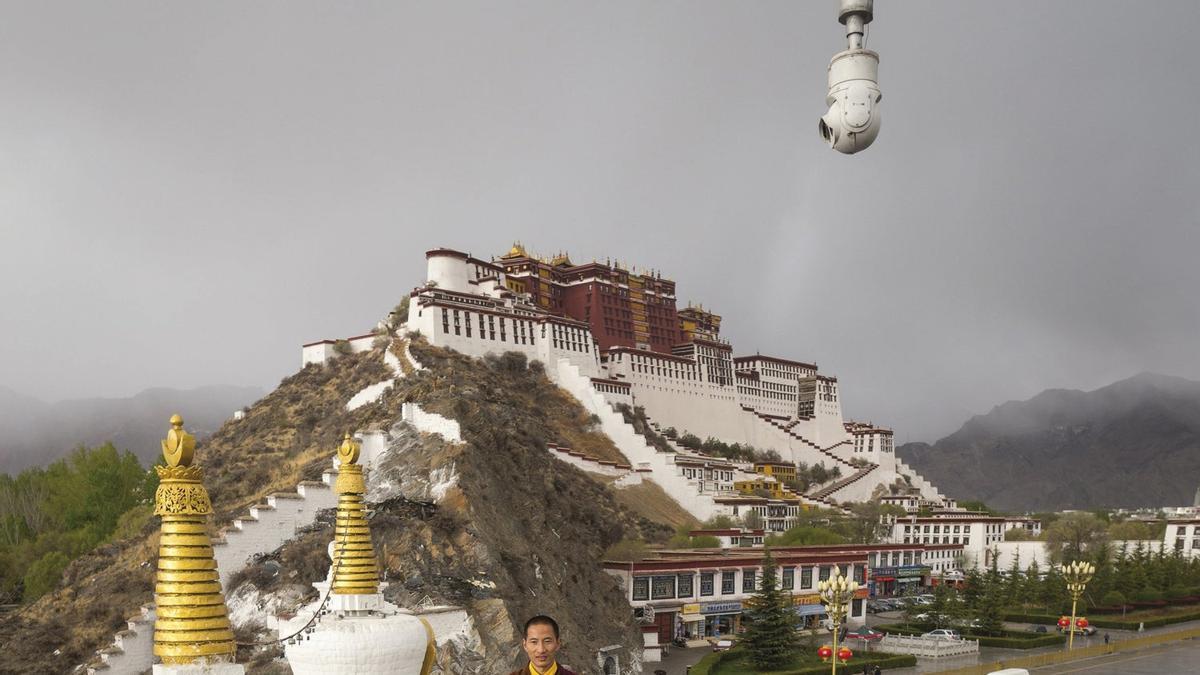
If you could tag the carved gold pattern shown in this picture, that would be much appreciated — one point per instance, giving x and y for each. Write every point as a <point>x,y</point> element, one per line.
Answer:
<point>193,622</point>
<point>355,569</point>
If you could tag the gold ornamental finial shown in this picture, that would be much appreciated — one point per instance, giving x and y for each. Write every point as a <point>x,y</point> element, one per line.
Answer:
<point>179,445</point>
<point>193,621</point>
<point>348,451</point>
<point>355,570</point>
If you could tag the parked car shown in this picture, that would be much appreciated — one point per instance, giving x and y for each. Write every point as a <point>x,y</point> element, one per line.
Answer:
<point>1038,628</point>
<point>943,634</point>
<point>865,633</point>
<point>722,645</point>
<point>922,618</point>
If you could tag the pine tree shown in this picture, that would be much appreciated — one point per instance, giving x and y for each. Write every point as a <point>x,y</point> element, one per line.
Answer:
<point>770,633</point>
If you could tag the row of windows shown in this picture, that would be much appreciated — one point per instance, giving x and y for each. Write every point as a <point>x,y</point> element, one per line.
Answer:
<point>937,529</point>
<point>896,559</point>
<point>672,586</point>
<point>573,339</point>
<point>461,324</point>
<point>946,539</point>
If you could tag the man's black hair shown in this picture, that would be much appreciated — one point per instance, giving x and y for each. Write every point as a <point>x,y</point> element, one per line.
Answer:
<point>544,620</point>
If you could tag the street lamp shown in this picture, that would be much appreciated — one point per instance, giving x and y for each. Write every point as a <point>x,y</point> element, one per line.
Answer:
<point>1077,574</point>
<point>836,593</point>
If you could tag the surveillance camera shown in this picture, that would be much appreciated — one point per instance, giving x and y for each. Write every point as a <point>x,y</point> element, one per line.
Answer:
<point>852,122</point>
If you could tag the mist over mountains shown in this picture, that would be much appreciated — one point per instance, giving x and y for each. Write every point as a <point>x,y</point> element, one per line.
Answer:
<point>35,433</point>
<point>1133,443</point>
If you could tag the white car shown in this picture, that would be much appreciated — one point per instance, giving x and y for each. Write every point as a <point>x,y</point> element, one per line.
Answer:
<point>722,645</point>
<point>943,634</point>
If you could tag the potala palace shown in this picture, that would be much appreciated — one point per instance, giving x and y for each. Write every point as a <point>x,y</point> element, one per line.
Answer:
<point>612,336</point>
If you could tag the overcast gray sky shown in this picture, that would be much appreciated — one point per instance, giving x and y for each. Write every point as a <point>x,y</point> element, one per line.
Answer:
<point>189,191</point>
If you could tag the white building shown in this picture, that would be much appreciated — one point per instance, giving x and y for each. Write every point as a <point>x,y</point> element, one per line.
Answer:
<point>978,534</point>
<point>1183,535</point>
<point>697,386</point>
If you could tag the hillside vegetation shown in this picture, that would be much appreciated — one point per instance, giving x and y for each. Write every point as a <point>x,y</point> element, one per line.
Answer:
<point>519,533</point>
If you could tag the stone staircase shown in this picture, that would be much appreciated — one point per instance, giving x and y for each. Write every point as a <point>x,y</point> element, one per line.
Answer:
<point>828,490</point>
<point>654,465</point>
<point>131,650</point>
<point>787,429</point>
<point>927,489</point>
<point>625,474</point>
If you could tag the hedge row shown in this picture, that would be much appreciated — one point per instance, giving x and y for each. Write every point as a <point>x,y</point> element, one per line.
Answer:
<point>1009,639</point>
<point>709,664</point>
<point>1051,620</point>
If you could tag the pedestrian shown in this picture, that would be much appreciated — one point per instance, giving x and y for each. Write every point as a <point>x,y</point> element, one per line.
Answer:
<point>1106,638</point>
<point>877,669</point>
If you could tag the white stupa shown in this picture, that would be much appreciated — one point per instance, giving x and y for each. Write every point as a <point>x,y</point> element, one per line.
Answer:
<point>351,629</point>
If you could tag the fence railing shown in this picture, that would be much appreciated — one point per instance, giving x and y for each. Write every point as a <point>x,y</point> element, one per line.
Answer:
<point>929,647</point>
<point>1051,658</point>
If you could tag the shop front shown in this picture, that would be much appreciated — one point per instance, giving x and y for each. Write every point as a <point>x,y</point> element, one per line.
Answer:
<point>719,618</point>
<point>808,609</point>
<point>883,581</point>
<point>912,577</point>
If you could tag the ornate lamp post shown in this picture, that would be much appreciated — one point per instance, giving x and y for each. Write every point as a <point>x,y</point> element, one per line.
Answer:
<point>1077,574</point>
<point>836,593</point>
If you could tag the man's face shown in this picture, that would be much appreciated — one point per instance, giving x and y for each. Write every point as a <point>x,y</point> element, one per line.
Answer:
<point>540,645</point>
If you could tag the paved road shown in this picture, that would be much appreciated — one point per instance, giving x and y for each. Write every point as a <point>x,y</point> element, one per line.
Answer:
<point>1169,658</point>
<point>1172,657</point>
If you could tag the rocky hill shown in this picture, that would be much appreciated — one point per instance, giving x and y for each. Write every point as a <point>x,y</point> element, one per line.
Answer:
<point>35,433</point>
<point>1133,443</point>
<point>510,531</point>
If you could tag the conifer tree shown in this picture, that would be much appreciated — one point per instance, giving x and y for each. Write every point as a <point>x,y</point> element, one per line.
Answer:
<point>770,634</point>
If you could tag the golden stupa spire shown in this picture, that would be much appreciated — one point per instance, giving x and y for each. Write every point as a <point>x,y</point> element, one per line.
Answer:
<point>193,622</point>
<point>355,570</point>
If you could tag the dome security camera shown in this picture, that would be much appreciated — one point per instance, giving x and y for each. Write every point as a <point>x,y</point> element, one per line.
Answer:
<point>852,122</point>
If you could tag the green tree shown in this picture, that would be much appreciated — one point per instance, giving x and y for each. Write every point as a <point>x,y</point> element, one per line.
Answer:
<point>1073,537</point>
<point>990,610</point>
<point>867,524</point>
<point>806,535</point>
<point>770,633</point>
<point>44,574</point>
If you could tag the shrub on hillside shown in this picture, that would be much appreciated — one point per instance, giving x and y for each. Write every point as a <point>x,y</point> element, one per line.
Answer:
<point>1113,599</point>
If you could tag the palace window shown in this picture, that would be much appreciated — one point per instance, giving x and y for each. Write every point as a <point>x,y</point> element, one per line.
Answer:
<point>445,320</point>
<point>467,322</point>
<point>706,584</point>
<point>727,581</point>
<point>823,573</point>
<point>685,585</point>
<point>789,578</point>
<point>748,577</point>
<point>641,588</point>
<point>663,588</point>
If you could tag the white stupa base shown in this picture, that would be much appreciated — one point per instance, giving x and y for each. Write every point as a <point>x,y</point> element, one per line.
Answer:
<point>364,637</point>
<point>199,669</point>
<point>370,602</point>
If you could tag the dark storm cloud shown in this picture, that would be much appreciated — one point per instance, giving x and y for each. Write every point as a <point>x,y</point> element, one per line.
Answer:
<point>188,192</point>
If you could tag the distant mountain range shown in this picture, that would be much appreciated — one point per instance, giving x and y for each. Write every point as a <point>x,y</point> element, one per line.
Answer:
<point>1133,443</point>
<point>35,433</point>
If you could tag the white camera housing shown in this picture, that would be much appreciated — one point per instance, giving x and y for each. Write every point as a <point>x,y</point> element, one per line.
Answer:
<point>852,122</point>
